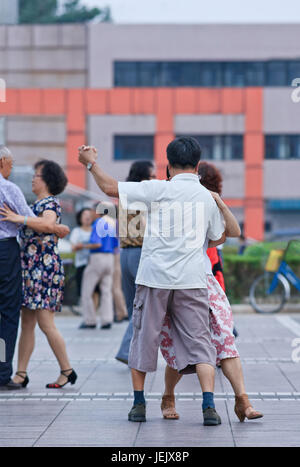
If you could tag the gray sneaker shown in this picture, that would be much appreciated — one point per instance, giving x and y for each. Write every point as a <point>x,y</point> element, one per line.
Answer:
<point>211,417</point>
<point>137,413</point>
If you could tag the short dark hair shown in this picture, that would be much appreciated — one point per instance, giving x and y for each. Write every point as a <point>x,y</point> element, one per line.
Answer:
<point>79,215</point>
<point>53,175</point>
<point>184,152</point>
<point>139,171</point>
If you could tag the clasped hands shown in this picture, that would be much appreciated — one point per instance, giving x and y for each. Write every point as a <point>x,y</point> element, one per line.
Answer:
<point>87,154</point>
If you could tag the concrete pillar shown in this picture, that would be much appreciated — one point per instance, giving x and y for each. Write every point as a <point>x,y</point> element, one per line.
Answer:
<point>254,164</point>
<point>9,11</point>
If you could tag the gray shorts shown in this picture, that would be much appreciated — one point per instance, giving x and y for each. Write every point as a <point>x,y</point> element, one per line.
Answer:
<point>190,332</point>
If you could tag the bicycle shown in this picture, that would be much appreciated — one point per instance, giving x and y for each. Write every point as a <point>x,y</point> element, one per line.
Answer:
<point>270,291</point>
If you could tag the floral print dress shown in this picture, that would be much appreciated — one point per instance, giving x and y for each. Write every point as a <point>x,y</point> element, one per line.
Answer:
<point>221,326</point>
<point>42,268</point>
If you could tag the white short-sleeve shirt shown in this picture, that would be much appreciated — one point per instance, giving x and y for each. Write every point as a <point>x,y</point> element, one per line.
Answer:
<point>79,235</point>
<point>180,215</point>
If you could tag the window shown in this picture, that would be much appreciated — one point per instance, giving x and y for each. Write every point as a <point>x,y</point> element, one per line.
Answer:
<point>268,226</point>
<point>149,74</point>
<point>207,146</point>
<point>255,74</point>
<point>272,147</point>
<point>233,148</point>
<point>191,74</point>
<point>293,71</point>
<point>206,74</point>
<point>276,73</point>
<point>221,147</point>
<point>170,74</point>
<point>126,74</point>
<point>294,147</point>
<point>210,74</point>
<point>282,147</point>
<point>132,147</point>
<point>235,74</point>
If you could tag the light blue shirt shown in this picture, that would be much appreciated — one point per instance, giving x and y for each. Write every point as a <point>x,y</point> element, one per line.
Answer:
<point>11,195</point>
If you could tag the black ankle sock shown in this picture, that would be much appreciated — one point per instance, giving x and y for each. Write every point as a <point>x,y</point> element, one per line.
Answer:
<point>139,397</point>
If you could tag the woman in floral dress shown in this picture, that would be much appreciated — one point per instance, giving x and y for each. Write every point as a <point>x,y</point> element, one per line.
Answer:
<point>221,320</point>
<point>43,275</point>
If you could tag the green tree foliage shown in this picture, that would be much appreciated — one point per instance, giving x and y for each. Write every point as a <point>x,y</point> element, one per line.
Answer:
<point>46,12</point>
<point>37,11</point>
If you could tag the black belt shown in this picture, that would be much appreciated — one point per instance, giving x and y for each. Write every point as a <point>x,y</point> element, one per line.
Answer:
<point>7,239</point>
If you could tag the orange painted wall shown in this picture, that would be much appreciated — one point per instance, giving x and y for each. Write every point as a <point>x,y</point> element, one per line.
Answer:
<point>254,160</point>
<point>76,135</point>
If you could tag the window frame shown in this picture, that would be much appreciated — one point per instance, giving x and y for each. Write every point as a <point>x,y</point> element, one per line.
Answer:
<point>119,139</point>
<point>217,143</point>
<point>208,73</point>
<point>284,145</point>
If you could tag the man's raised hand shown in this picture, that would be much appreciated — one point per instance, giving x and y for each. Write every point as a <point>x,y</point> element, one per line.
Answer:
<point>87,154</point>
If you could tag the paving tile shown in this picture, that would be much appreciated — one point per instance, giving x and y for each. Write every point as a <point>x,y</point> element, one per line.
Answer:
<point>186,431</point>
<point>92,423</point>
<point>263,378</point>
<point>21,432</point>
<point>69,421</point>
<point>17,443</point>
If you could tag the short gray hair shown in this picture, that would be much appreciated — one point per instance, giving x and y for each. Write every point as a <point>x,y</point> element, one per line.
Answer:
<point>4,151</point>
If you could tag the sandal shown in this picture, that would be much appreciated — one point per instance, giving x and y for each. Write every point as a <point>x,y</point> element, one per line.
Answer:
<point>25,378</point>
<point>168,408</point>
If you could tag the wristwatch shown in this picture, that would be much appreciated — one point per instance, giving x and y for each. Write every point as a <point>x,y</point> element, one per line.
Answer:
<point>90,165</point>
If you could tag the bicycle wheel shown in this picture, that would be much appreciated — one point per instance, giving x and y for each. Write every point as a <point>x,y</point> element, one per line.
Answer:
<point>71,297</point>
<point>262,300</point>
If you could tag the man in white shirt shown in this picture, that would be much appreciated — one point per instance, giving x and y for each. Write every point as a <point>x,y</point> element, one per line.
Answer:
<point>171,277</point>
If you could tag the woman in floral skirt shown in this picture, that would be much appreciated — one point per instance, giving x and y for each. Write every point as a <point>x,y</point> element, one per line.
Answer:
<point>221,320</point>
<point>43,275</point>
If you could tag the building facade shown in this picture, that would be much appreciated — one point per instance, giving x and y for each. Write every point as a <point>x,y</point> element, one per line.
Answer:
<point>130,89</point>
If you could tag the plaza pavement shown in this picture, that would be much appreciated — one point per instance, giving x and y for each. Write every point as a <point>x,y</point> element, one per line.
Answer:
<point>94,411</point>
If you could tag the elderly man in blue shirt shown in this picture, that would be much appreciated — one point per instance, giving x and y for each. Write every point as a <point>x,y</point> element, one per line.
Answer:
<point>10,265</point>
